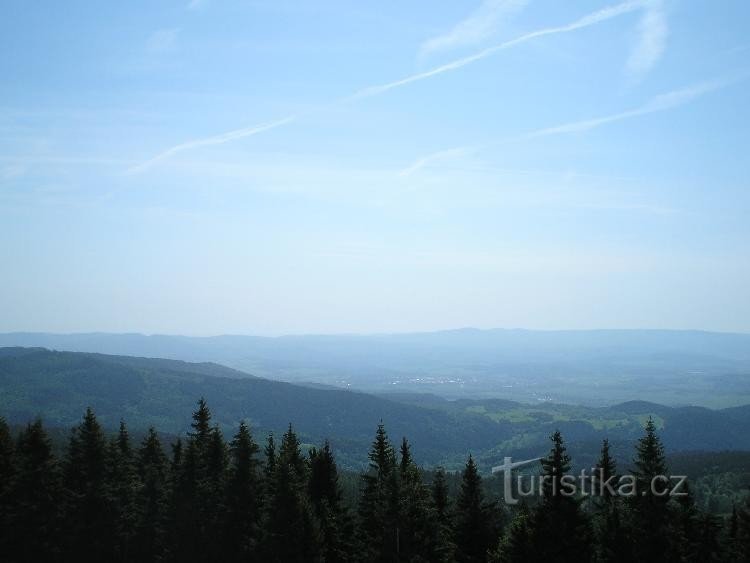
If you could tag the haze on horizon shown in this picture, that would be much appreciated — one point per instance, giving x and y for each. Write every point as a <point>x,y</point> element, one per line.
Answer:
<point>224,167</point>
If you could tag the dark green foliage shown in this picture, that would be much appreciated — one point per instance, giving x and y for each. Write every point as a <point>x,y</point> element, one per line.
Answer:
<point>378,503</point>
<point>152,516</point>
<point>270,452</point>
<point>91,519</point>
<point>122,486</point>
<point>7,470</point>
<point>109,501</point>
<point>697,534</point>
<point>474,529</point>
<point>162,393</point>
<point>612,543</point>
<point>34,499</point>
<point>198,489</point>
<point>560,529</point>
<point>337,526</point>
<point>241,518</point>
<point>649,507</point>
<point>517,545</point>
<point>740,534</point>
<point>419,531</point>
<point>292,531</point>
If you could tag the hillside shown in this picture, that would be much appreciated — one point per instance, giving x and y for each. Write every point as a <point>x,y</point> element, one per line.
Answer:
<point>598,367</point>
<point>59,386</point>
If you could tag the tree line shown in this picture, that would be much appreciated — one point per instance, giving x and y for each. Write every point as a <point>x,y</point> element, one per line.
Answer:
<point>207,499</point>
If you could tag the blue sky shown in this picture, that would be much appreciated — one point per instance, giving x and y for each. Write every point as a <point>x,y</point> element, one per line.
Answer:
<point>268,167</point>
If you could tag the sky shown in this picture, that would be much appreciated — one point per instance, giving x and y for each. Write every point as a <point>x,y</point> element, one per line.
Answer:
<point>270,167</point>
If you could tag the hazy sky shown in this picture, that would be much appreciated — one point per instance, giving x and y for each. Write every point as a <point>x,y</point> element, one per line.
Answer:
<point>236,166</point>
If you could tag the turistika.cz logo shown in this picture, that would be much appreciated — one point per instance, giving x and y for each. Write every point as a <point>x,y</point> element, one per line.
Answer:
<point>586,484</point>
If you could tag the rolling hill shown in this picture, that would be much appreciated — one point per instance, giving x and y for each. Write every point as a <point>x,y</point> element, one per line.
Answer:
<point>58,386</point>
<point>596,367</point>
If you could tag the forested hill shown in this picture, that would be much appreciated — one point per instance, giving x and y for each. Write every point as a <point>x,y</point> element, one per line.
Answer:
<point>58,386</point>
<point>593,367</point>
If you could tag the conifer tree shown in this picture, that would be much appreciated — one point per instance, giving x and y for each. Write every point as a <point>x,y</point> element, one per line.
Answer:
<point>201,423</point>
<point>378,511</point>
<point>406,462</point>
<point>176,456</point>
<point>517,545</point>
<point>210,490</point>
<point>7,471</point>
<point>418,526</point>
<point>122,486</point>
<point>440,496</point>
<point>649,505</point>
<point>742,536</point>
<point>695,533</point>
<point>198,489</point>
<point>151,541</point>
<point>270,453</point>
<point>35,499</point>
<point>243,498</point>
<point>443,515</point>
<point>561,531</point>
<point>611,541</point>
<point>292,533</point>
<point>473,524</point>
<point>89,515</point>
<point>326,498</point>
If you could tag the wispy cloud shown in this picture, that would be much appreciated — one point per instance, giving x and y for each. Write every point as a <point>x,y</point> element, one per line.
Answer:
<point>652,40</point>
<point>478,26</point>
<point>661,102</point>
<point>195,4</point>
<point>215,140</point>
<point>12,171</point>
<point>438,156</point>
<point>163,40</point>
<point>586,21</point>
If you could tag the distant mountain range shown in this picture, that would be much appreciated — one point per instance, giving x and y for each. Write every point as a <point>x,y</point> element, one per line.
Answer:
<point>58,386</point>
<point>594,367</point>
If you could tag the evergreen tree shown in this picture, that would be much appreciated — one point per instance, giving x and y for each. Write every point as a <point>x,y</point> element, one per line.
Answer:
<point>270,453</point>
<point>560,528</point>
<point>741,547</point>
<point>378,511</point>
<point>649,505</point>
<point>406,461</point>
<point>326,498</point>
<point>122,486</point>
<point>89,512</point>
<point>440,498</point>
<point>292,532</point>
<point>418,526</point>
<point>151,542</point>
<point>201,423</point>
<point>611,541</point>
<point>210,488</point>
<point>473,524</point>
<point>198,489</point>
<point>243,498</point>
<point>517,545</point>
<point>34,499</point>
<point>176,462</point>
<point>7,472</point>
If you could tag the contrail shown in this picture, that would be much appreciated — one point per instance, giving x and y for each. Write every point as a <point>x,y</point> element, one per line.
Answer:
<point>215,140</point>
<point>586,21</point>
<point>661,102</point>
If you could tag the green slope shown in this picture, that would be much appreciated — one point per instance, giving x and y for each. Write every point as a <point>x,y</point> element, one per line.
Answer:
<point>59,386</point>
